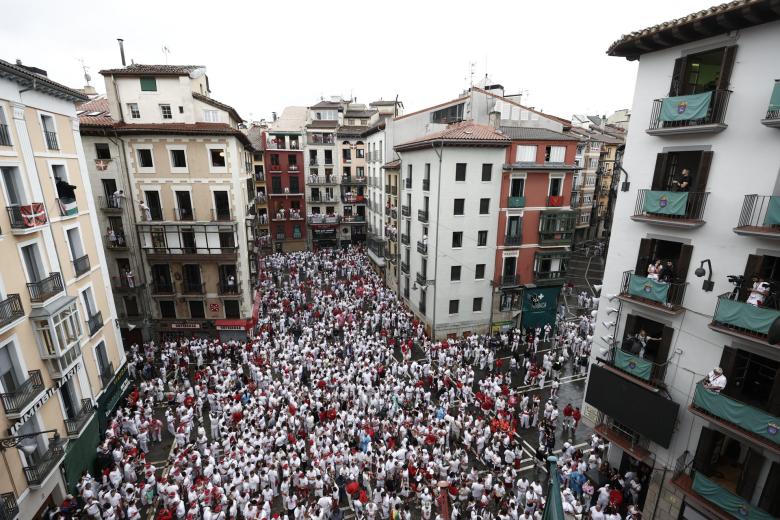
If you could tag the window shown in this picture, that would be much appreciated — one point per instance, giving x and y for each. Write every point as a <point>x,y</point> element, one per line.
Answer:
<point>218,157</point>
<point>102,151</point>
<point>274,159</point>
<point>165,110</point>
<point>479,272</point>
<point>476,305</point>
<point>196,309</point>
<point>556,183</point>
<point>5,136</point>
<point>526,153</point>
<point>167,309</point>
<point>460,172</point>
<point>454,305</point>
<point>49,132</point>
<point>134,112</point>
<point>484,206</point>
<point>102,358</point>
<point>457,239</point>
<point>211,116</point>
<point>482,238</point>
<point>487,172</point>
<point>145,158</point>
<point>458,206</point>
<point>232,309</point>
<point>448,115</point>
<point>555,154</point>
<point>360,153</point>
<point>455,273</point>
<point>178,159</point>
<point>593,163</point>
<point>148,84</point>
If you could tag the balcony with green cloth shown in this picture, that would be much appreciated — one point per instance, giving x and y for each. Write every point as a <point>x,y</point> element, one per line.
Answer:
<point>702,112</point>
<point>515,202</point>
<point>726,500</point>
<point>749,421</point>
<point>772,118</point>
<point>666,202</point>
<point>634,365</point>
<point>742,319</point>
<point>665,296</point>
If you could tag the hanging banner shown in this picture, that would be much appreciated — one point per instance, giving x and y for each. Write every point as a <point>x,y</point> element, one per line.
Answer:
<point>540,305</point>
<point>666,202</point>
<point>685,108</point>
<point>645,287</point>
<point>774,100</point>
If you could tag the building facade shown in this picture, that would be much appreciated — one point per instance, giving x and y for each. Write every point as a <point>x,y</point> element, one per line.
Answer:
<point>701,118</point>
<point>323,178</point>
<point>61,353</point>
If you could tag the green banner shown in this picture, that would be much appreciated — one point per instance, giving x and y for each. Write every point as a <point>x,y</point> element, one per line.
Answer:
<point>774,100</point>
<point>666,202</point>
<point>772,217</point>
<point>81,455</point>
<point>634,365</point>
<point>645,287</point>
<point>725,499</point>
<point>745,316</point>
<point>743,415</point>
<point>540,304</point>
<point>685,108</point>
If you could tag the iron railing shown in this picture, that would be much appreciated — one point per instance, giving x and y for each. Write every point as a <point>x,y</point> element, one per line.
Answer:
<point>74,425</point>
<point>184,214</point>
<point>220,215</point>
<point>406,211</point>
<point>515,202</point>
<point>9,509</point>
<point>422,247</point>
<point>510,280</point>
<point>513,240</point>
<point>95,322</point>
<point>657,371</point>
<point>81,265</point>
<point>716,113</point>
<point>755,214</point>
<point>42,290</point>
<point>422,216</point>
<point>693,210</point>
<point>405,267</point>
<point>405,239</point>
<point>27,216</point>
<point>36,474</point>
<point>674,297</point>
<point>51,140</point>
<point>14,402</point>
<point>11,309</point>
<point>353,218</point>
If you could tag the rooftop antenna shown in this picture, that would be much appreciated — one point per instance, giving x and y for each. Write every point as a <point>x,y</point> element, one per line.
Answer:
<point>471,73</point>
<point>87,77</point>
<point>166,52</point>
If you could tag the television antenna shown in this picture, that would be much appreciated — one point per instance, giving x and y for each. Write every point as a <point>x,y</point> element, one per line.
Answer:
<point>87,77</point>
<point>166,51</point>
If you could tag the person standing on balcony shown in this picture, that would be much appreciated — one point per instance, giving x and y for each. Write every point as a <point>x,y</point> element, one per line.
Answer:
<point>715,381</point>
<point>682,181</point>
<point>758,292</point>
<point>642,338</point>
<point>117,198</point>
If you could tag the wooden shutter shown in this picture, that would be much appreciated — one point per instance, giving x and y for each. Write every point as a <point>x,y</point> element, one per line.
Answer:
<point>726,66</point>
<point>629,330</point>
<point>699,177</point>
<point>752,267</point>
<point>643,259</point>
<point>770,499</point>
<point>678,76</point>
<point>773,405</point>
<point>666,342</point>
<point>750,472</point>
<point>707,449</point>
<point>683,262</point>
<point>659,176</point>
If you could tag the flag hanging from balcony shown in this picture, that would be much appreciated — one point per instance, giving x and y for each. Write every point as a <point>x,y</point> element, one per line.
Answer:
<point>634,365</point>
<point>648,288</point>
<point>774,101</point>
<point>685,108</point>
<point>666,202</point>
<point>737,506</point>
<point>772,217</point>
<point>68,207</point>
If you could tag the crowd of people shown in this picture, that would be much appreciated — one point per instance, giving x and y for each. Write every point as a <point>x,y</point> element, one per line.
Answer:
<point>341,404</point>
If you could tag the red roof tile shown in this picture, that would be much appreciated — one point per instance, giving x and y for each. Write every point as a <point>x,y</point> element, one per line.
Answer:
<point>138,69</point>
<point>464,133</point>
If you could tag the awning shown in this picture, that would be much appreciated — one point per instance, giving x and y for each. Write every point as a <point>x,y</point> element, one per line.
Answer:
<point>52,308</point>
<point>233,324</point>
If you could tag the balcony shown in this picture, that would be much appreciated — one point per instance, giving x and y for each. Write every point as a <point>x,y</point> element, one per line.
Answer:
<point>280,143</point>
<point>556,228</point>
<point>513,240</point>
<point>353,199</point>
<point>11,309</point>
<point>666,297</point>
<point>185,252</point>
<point>109,204</point>
<point>51,140</point>
<point>714,499</point>
<point>226,287</point>
<point>353,219</point>
<point>124,283</point>
<point>14,403</point>
<point>760,216</point>
<point>322,220</point>
<point>80,419</point>
<point>27,218</point>
<point>42,290</point>
<point>551,276</point>
<point>118,243</point>
<point>353,179</point>
<point>95,323</point>
<point>5,136</point>
<point>515,202</point>
<point>221,215</point>
<point>192,287</point>
<point>669,208</point>
<point>772,118</point>
<point>162,288</point>
<point>422,248</point>
<point>422,216</point>
<point>637,368</point>
<point>107,374</point>
<point>406,211</point>
<point>81,265</point>
<point>510,280</point>
<point>9,509</point>
<point>405,239</point>
<point>740,418</point>
<point>692,114</point>
<point>184,214</point>
<point>323,179</point>
<point>405,267</point>
<point>743,320</point>
<point>555,201</point>
<point>37,473</point>
<point>426,185</point>
<point>408,183</point>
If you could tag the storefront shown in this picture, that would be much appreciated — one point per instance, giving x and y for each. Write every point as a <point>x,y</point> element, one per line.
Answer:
<point>324,235</point>
<point>233,329</point>
<point>111,397</point>
<point>178,330</point>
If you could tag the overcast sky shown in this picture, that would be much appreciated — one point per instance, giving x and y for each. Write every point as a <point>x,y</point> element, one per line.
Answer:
<point>262,56</point>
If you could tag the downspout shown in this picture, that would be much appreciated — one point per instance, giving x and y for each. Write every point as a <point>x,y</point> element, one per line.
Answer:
<point>439,153</point>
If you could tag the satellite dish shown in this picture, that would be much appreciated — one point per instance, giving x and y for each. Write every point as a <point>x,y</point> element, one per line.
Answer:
<point>200,71</point>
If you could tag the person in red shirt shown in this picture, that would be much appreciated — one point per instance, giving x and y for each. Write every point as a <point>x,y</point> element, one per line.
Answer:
<point>576,415</point>
<point>568,420</point>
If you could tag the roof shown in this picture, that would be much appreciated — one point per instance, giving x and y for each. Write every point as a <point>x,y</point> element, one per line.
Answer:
<point>217,104</point>
<point>441,105</point>
<point>138,69</point>
<point>356,131</point>
<point>564,122</point>
<point>183,129</point>
<point>465,133</point>
<point>39,82</point>
<point>383,103</point>
<point>392,165</point>
<point>535,134</point>
<point>255,136</point>
<point>376,127</point>
<point>327,104</point>
<point>326,123</point>
<point>94,112</point>
<point>718,19</point>
<point>359,113</point>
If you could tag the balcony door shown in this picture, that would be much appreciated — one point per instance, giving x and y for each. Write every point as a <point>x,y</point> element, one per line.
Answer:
<point>109,187</point>
<point>703,71</point>
<point>513,227</point>
<point>70,400</point>
<point>89,302</point>
<point>11,375</point>
<point>669,167</point>
<point>517,187</point>
<point>75,243</point>
<point>14,187</point>
<point>154,204</point>
<point>191,273</point>
<point>33,263</point>
<point>652,250</point>
<point>656,349</point>
<point>184,205</point>
<point>510,266</point>
<point>222,205</point>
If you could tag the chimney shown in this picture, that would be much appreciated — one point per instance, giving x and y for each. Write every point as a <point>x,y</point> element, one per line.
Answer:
<point>88,90</point>
<point>273,115</point>
<point>122,50</point>
<point>495,119</point>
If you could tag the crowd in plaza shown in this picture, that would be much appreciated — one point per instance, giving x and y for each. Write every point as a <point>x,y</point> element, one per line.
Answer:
<point>342,406</point>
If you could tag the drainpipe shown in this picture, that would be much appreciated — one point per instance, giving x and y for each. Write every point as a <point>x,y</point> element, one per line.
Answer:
<point>439,153</point>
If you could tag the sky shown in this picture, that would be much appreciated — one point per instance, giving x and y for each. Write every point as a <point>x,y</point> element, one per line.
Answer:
<point>262,56</point>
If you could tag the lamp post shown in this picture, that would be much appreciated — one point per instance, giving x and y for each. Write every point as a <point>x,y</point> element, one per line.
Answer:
<point>28,449</point>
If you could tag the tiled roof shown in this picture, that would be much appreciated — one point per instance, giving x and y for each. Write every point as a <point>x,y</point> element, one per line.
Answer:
<point>351,130</point>
<point>138,69</point>
<point>327,104</point>
<point>535,134</point>
<point>323,124</point>
<point>99,104</point>
<point>255,135</point>
<point>38,82</point>
<point>718,19</point>
<point>359,113</point>
<point>465,133</point>
<point>182,128</point>
<point>217,104</point>
<point>392,165</point>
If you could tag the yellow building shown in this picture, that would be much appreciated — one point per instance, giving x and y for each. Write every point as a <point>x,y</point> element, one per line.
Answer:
<point>61,357</point>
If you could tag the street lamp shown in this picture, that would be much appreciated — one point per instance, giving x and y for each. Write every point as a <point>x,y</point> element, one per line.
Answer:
<point>29,448</point>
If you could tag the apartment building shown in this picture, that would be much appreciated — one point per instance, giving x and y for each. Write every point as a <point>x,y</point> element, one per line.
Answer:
<point>285,171</point>
<point>191,194</point>
<point>584,196</point>
<point>608,180</point>
<point>707,101</point>
<point>323,184</point>
<point>61,356</point>
<point>256,135</point>
<point>354,182</point>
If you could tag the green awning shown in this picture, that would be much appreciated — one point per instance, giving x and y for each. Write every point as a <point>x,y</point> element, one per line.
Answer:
<point>745,316</point>
<point>774,100</point>
<point>632,364</point>
<point>726,500</point>
<point>553,507</point>
<point>666,202</point>
<point>745,416</point>
<point>82,454</point>
<point>686,108</point>
<point>645,287</point>
<point>772,217</point>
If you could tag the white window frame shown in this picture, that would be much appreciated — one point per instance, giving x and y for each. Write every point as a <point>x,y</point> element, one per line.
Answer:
<point>65,230</point>
<point>162,112</point>
<point>41,114</point>
<point>130,110</point>
<point>177,169</point>
<point>158,189</point>
<point>526,148</point>
<point>137,158</point>
<point>556,148</point>
<point>481,306</point>
<point>211,115</point>
<point>550,178</point>
<point>84,289</point>
<point>22,177</point>
<point>44,258</point>
<point>17,353</point>
<point>4,120</point>
<point>218,169</point>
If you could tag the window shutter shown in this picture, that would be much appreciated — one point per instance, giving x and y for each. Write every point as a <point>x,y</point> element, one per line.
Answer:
<point>726,66</point>
<point>659,182</point>
<point>630,327</point>
<point>677,86</point>
<point>666,343</point>
<point>699,181</point>
<point>643,259</point>
<point>683,262</point>
<point>710,442</point>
